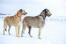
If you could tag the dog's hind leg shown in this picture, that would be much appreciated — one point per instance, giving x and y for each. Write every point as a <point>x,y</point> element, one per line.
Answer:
<point>29,31</point>
<point>23,29</point>
<point>9,30</point>
<point>5,26</point>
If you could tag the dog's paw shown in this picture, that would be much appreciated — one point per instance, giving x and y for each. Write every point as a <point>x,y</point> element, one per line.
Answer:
<point>17,36</point>
<point>31,36</point>
<point>9,33</point>
<point>3,33</point>
<point>22,36</point>
<point>40,38</point>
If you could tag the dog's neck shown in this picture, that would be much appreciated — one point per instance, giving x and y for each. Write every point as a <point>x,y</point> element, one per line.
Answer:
<point>44,16</point>
<point>18,16</point>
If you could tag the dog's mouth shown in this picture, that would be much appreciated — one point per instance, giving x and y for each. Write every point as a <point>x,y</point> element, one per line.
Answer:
<point>25,13</point>
<point>49,15</point>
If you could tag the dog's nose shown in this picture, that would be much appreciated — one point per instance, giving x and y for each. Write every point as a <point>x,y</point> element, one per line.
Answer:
<point>51,14</point>
<point>26,13</point>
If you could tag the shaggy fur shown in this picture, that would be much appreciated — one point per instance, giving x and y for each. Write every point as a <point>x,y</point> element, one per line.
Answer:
<point>13,20</point>
<point>36,21</point>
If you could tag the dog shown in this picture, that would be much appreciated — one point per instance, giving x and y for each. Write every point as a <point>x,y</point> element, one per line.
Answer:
<point>14,21</point>
<point>35,21</point>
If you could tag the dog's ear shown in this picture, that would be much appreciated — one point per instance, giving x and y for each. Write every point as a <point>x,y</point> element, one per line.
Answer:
<point>20,10</point>
<point>45,10</point>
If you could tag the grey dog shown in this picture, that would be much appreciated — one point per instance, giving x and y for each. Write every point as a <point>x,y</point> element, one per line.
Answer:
<point>35,21</point>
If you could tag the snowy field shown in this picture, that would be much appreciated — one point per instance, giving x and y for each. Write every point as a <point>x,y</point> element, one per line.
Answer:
<point>54,31</point>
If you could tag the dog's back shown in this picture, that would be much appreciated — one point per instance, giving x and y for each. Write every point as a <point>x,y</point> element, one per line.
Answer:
<point>11,20</point>
<point>36,21</point>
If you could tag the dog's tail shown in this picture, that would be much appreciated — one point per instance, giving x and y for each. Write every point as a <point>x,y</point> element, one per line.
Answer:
<point>5,25</point>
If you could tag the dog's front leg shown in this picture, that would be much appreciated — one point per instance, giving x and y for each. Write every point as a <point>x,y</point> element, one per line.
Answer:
<point>23,29</point>
<point>17,31</point>
<point>39,36</point>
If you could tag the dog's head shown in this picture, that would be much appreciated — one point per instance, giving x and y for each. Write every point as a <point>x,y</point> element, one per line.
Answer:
<point>22,12</point>
<point>46,12</point>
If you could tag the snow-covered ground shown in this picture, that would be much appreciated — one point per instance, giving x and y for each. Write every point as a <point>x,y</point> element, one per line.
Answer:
<point>52,33</point>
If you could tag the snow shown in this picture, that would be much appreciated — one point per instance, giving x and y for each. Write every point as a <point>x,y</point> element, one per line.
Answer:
<point>52,33</point>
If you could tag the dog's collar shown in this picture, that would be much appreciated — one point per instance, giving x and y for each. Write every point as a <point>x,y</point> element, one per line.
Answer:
<point>18,16</point>
<point>42,16</point>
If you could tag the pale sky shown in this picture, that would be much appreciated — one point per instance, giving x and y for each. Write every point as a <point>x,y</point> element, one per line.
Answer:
<point>33,7</point>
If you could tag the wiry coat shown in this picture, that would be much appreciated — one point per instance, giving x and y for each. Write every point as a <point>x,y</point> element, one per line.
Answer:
<point>13,21</point>
<point>36,21</point>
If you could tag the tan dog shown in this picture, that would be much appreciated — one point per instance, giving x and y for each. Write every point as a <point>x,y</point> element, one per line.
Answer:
<point>37,21</point>
<point>13,20</point>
